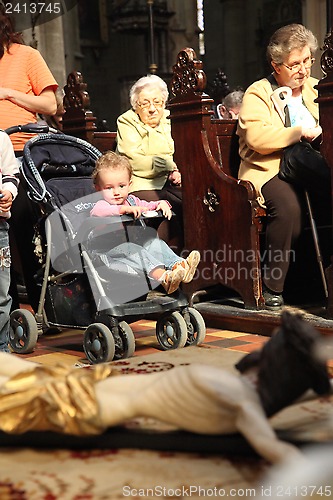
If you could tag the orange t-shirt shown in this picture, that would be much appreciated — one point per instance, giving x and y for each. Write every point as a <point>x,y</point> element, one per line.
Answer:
<point>22,68</point>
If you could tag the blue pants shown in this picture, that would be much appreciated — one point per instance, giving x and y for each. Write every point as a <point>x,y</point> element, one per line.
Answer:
<point>153,253</point>
<point>5,299</point>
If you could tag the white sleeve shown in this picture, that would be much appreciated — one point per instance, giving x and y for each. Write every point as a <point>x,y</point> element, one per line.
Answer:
<point>9,165</point>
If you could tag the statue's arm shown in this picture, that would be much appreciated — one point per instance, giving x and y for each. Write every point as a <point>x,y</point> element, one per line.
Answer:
<point>253,424</point>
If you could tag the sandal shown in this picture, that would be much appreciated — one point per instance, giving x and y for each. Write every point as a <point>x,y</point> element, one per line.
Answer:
<point>189,265</point>
<point>171,280</point>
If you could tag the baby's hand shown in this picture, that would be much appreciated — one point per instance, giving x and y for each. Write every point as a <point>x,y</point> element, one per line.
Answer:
<point>165,209</point>
<point>134,210</point>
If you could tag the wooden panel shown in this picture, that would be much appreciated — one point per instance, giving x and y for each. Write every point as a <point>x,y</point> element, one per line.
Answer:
<point>221,215</point>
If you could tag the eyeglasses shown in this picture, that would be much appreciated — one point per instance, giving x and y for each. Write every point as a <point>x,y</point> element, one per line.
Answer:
<point>307,63</point>
<point>147,104</point>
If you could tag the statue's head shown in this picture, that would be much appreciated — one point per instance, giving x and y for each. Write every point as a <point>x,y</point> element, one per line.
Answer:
<point>288,364</point>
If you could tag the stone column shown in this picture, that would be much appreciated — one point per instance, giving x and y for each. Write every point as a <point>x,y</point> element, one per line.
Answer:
<point>50,40</point>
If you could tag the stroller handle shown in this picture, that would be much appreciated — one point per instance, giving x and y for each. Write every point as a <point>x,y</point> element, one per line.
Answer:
<point>29,128</point>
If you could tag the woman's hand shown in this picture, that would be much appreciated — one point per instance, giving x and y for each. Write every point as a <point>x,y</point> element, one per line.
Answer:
<point>6,200</point>
<point>165,209</point>
<point>175,178</point>
<point>309,134</point>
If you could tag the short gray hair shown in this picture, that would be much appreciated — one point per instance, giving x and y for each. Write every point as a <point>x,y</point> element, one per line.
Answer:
<point>149,81</point>
<point>233,99</point>
<point>288,38</point>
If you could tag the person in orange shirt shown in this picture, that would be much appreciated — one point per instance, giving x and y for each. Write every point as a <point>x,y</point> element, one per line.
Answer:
<point>27,87</point>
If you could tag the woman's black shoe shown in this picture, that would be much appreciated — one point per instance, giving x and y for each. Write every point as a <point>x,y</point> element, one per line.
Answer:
<point>273,300</point>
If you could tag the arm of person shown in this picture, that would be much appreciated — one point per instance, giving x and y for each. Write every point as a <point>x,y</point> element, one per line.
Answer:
<point>175,177</point>
<point>149,205</point>
<point>10,173</point>
<point>310,134</point>
<point>132,141</point>
<point>163,205</point>
<point>105,209</point>
<point>45,102</point>
<point>263,128</point>
<point>130,144</point>
<point>165,208</point>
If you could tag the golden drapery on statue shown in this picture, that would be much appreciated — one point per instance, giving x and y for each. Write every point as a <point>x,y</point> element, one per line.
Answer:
<point>57,398</point>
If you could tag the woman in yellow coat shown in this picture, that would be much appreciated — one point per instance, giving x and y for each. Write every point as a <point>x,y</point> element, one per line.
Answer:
<point>265,128</point>
<point>144,136</point>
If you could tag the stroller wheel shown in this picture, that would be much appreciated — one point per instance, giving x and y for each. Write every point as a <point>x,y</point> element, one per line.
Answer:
<point>23,331</point>
<point>196,328</point>
<point>124,342</point>
<point>171,330</point>
<point>98,343</point>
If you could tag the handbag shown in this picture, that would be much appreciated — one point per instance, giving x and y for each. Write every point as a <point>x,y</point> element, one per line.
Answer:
<point>304,166</point>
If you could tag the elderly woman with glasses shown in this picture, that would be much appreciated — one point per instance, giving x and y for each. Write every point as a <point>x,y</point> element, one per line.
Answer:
<point>144,136</point>
<point>265,127</point>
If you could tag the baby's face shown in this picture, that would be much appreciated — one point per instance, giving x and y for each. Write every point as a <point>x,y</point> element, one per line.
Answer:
<point>115,185</point>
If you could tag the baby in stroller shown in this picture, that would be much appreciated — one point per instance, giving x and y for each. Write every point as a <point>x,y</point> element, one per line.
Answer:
<point>83,284</point>
<point>112,176</point>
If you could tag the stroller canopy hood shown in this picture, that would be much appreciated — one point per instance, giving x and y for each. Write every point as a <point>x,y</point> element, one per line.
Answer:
<point>47,156</point>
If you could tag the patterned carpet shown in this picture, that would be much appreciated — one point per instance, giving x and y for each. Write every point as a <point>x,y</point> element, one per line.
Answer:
<point>107,471</point>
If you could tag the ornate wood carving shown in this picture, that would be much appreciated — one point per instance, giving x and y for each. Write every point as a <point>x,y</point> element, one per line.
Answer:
<point>326,60</point>
<point>187,73</point>
<point>76,95</point>
<point>211,199</point>
<point>78,119</point>
<point>219,88</point>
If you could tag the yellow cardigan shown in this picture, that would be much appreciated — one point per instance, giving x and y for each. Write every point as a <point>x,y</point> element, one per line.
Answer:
<point>149,150</point>
<point>262,134</point>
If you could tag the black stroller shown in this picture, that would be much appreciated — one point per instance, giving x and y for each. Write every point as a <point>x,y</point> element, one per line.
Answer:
<point>77,290</point>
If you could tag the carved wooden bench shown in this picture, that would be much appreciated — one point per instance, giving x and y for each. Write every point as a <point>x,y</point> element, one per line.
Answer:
<point>222,218</point>
<point>325,102</point>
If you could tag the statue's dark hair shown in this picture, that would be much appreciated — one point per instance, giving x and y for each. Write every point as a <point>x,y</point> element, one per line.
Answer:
<point>287,364</point>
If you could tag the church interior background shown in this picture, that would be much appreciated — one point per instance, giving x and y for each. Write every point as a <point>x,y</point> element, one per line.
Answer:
<point>114,42</point>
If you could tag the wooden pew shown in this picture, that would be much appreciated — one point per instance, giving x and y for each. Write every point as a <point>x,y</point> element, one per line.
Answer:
<point>222,218</point>
<point>325,102</point>
<point>78,119</point>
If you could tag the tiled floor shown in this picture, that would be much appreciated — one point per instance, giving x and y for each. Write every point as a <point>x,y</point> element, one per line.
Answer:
<point>66,346</point>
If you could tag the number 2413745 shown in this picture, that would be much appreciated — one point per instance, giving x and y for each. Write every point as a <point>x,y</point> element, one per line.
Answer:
<point>33,8</point>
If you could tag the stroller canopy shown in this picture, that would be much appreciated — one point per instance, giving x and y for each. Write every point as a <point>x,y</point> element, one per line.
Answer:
<point>48,156</point>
